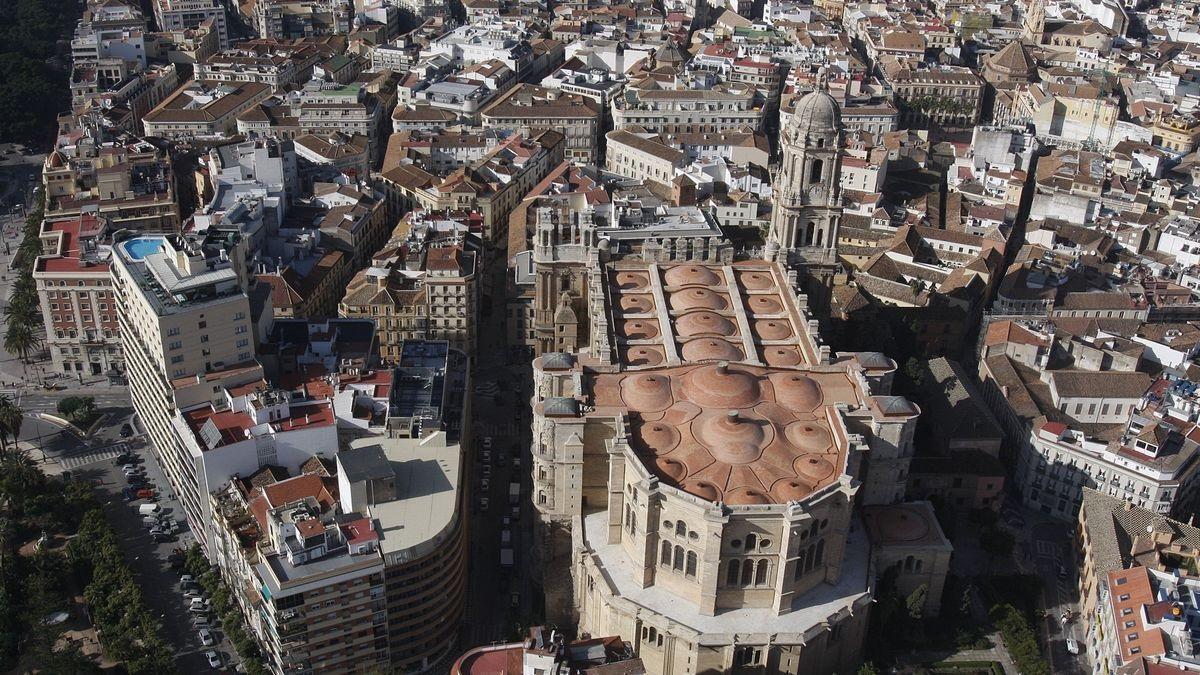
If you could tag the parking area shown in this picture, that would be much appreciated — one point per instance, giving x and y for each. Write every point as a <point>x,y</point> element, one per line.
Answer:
<point>132,515</point>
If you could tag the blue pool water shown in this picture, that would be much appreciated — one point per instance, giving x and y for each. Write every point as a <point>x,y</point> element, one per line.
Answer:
<point>140,247</point>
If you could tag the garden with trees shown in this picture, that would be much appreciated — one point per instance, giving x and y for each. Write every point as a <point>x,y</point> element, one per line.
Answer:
<point>33,67</point>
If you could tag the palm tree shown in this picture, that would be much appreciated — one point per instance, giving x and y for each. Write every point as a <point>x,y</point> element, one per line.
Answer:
<point>10,421</point>
<point>20,339</point>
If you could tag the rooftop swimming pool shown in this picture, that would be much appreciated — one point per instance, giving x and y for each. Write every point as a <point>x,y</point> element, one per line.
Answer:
<point>140,247</point>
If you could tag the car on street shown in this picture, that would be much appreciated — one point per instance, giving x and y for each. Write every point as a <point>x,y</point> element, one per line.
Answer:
<point>483,503</point>
<point>487,471</point>
<point>501,459</point>
<point>187,579</point>
<point>125,460</point>
<point>484,484</point>
<point>200,621</point>
<point>144,493</point>
<point>206,637</point>
<point>214,659</point>
<point>126,430</point>
<point>129,494</point>
<point>487,442</point>
<point>1072,646</point>
<point>486,456</point>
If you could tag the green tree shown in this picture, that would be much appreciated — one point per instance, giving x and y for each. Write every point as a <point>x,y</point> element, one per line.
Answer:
<point>868,668</point>
<point>10,421</point>
<point>21,339</point>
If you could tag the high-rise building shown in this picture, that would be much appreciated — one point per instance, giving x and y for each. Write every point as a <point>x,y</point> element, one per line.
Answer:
<point>185,325</point>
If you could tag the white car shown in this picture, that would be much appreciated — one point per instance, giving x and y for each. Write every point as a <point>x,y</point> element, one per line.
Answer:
<point>206,637</point>
<point>214,659</point>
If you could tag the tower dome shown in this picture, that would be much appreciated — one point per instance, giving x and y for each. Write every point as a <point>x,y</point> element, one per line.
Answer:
<point>816,114</point>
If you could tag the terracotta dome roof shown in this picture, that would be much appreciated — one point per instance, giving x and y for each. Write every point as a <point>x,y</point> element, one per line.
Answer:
<point>731,437</point>
<point>790,489</point>
<point>647,393</point>
<point>745,496</point>
<point>628,281</point>
<point>901,524</point>
<point>702,489</point>
<point>781,356</point>
<point>813,467</point>
<point>670,468</point>
<point>638,329</point>
<point>764,304</point>
<point>720,386</point>
<point>56,160</point>
<point>657,437</point>
<point>686,275</point>
<point>772,329</point>
<point>710,349</point>
<point>756,281</point>
<point>797,392</point>
<point>635,304</point>
<point>642,355</point>
<point>696,297</point>
<point>703,322</point>
<point>808,436</point>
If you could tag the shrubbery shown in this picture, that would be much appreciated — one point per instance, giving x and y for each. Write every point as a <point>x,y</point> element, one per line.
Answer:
<point>1020,639</point>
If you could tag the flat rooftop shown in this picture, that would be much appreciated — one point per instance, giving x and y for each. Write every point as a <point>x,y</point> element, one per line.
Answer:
<point>427,475</point>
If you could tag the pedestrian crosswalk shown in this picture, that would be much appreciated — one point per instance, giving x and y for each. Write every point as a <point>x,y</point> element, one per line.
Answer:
<point>87,457</point>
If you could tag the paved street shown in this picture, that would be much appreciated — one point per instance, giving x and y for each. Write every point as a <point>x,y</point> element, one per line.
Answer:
<point>503,417</point>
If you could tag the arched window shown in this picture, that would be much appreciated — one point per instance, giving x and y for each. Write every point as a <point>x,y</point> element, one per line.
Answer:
<point>799,566</point>
<point>810,559</point>
<point>691,564</point>
<point>820,552</point>
<point>760,574</point>
<point>541,497</point>
<point>820,237</point>
<point>747,572</point>
<point>665,558</point>
<point>680,528</point>
<point>816,170</point>
<point>808,233</point>
<point>751,542</point>
<point>653,635</point>
<point>908,564</point>
<point>812,531</point>
<point>678,564</point>
<point>917,565</point>
<point>731,576</point>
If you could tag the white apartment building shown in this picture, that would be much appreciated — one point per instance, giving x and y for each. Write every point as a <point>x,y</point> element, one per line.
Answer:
<point>186,329</point>
<point>181,14</point>
<point>724,107</point>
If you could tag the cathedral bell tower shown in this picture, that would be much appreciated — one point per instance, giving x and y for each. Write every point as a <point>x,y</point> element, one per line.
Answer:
<point>804,224</point>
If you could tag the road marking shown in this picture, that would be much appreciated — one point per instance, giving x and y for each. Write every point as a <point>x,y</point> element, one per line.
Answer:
<point>98,455</point>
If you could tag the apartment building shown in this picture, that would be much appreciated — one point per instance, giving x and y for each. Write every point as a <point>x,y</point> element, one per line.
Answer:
<point>528,109</point>
<point>185,326</point>
<point>724,107</point>
<point>291,19</point>
<point>1078,413</point>
<point>327,107</point>
<point>75,293</point>
<point>422,285</point>
<point>204,109</point>
<point>947,96</point>
<point>1137,586</point>
<point>323,607</point>
<point>184,14</point>
<point>276,70</point>
<point>128,182</point>
<point>643,156</point>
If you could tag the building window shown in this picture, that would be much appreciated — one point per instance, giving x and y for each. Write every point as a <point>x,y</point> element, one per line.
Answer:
<point>690,570</point>
<point>731,575</point>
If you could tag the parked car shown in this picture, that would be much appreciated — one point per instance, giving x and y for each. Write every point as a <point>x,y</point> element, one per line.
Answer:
<point>486,456</point>
<point>161,538</point>
<point>501,459</point>
<point>483,503</point>
<point>144,493</point>
<point>487,442</point>
<point>1072,646</point>
<point>484,484</point>
<point>206,637</point>
<point>129,494</point>
<point>200,621</point>
<point>214,659</point>
<point>124,460</point>
<point>149,509</point>
<point>187,579</point>
<point>126,430</point>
